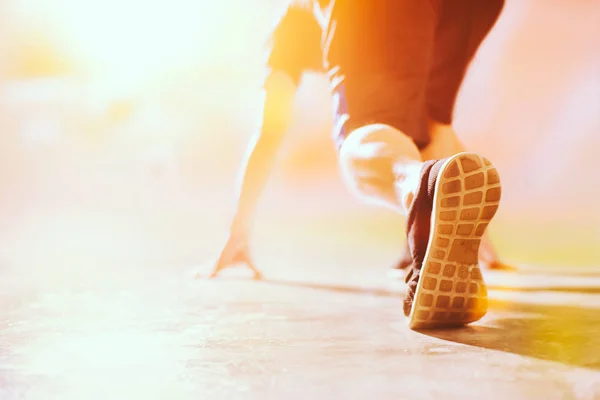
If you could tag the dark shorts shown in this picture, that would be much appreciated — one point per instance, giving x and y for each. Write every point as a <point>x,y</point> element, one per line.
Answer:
<point>401,62</point>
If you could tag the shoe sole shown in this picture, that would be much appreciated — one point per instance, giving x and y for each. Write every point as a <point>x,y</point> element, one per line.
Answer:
<point>451,291</point>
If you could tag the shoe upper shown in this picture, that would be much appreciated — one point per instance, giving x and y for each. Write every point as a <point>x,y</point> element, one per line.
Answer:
<point>418,226</point>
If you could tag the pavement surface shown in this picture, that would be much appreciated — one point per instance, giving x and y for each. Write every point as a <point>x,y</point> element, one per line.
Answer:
<point>321,325</point>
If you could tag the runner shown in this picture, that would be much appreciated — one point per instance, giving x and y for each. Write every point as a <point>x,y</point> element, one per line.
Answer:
<point>395,68</point>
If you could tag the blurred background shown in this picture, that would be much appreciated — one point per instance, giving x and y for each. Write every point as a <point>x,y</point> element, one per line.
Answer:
<point>122,125</point>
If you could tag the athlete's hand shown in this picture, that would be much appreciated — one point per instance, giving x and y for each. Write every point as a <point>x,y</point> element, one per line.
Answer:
<point>236,252</point>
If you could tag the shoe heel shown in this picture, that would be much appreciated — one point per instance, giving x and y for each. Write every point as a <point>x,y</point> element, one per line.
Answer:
<point>451,290</point>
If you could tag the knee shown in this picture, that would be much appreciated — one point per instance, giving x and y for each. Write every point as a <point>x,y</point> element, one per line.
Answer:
<point>367,158</point>
<point>379,140</point>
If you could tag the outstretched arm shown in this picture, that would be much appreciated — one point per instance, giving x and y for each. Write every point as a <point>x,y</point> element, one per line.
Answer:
<point>260,156</point>
<point>280,90</point>
<point>296,48</point>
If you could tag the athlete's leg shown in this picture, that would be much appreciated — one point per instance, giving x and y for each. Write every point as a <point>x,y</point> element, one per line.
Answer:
<point>411,91</point>
<point>462,27</point>
<point>448,202</point>
<point>381,165</point>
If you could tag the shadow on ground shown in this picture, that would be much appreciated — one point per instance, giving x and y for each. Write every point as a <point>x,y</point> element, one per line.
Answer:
<point>563,334</point>
<point>568,335</point>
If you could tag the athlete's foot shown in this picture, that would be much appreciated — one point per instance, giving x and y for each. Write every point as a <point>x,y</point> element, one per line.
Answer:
<point>235,253</point>
<point>454,203</point>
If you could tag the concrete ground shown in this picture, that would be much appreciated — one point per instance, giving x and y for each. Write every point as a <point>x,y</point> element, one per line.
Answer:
<point>156,335</point>
<point>103,310</point>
